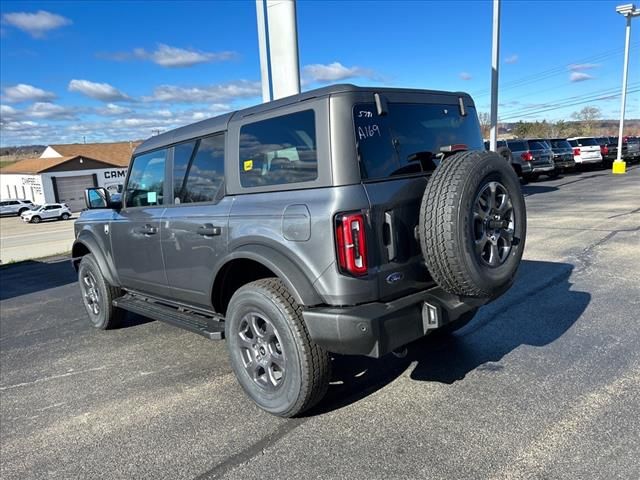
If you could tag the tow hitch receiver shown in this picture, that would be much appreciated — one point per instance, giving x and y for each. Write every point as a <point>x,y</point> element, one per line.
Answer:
<point>431,317</point>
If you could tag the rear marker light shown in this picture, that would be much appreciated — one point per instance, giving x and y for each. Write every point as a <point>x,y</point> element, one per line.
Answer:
<point>527,156</point>
<point>351,245</point>
<point>576,151</point>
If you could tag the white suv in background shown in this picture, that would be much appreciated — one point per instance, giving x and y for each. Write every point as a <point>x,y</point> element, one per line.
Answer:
<point>47,211</point>
<point>586,150</point>
<point>15,207</point>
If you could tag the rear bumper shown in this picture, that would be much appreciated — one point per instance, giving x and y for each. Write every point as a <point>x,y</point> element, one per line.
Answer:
<point>375,329</point>
<point>589,160</point>
<point>528,167</point>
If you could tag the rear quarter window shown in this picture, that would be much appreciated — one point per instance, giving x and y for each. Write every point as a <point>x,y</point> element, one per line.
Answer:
<point>279,150</point>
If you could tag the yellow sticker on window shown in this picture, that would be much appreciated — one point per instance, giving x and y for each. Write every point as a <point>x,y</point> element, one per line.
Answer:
<point>248,165</point>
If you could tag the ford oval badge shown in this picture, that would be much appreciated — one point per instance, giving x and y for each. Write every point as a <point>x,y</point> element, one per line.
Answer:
<point>395,277</point>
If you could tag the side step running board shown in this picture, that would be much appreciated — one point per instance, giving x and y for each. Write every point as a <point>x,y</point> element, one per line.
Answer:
<point>209,327</point>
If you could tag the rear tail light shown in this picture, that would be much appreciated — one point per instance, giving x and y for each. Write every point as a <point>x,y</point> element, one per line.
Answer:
<point>604,149</point>
<point>527,156</point>
<point>576,151</point>
<point>351,244</point>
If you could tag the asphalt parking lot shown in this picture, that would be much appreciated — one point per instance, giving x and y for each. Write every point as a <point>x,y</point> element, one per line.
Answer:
<point>21,241</point>
<point>543,383</point>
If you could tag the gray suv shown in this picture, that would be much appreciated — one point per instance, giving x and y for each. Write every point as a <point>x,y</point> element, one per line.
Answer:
<point>346,220</point>
<point>532,158</point>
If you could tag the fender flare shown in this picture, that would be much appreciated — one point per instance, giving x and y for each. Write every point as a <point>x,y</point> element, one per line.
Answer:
<point>89,241</point>
<point>292,275</point>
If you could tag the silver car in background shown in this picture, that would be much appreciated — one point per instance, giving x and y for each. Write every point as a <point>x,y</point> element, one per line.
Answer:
<point>48,211</point>
<point>15,207</point>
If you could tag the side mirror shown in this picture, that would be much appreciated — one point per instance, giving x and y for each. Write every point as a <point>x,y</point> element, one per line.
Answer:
<point>99,197</point>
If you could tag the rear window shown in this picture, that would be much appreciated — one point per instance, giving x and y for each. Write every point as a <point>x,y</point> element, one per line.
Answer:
<point>279,150</point>
<point>560,144</point>
<point>587,142</point>
<point>408,139</point>
<point>517,145</point>
<point>538,145</point>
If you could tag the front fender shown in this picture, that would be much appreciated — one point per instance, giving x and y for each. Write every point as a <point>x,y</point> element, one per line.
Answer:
<point>87,240</point>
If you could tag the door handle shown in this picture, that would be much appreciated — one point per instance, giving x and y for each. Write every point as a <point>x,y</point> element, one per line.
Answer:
<point>209,230</point>
<point>148,230</point>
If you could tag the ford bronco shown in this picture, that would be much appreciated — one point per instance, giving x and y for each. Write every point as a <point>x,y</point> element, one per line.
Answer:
<point>345,219</point>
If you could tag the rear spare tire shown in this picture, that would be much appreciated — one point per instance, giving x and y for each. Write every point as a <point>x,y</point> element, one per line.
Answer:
<point>473,224</point>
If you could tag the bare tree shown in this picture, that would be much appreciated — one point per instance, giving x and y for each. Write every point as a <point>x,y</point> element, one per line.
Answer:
<point>587,117</point>
<point>485,123</point>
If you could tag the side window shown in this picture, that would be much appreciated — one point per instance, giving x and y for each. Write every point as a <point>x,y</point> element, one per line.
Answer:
<point>146,180</point>
<point>198,170</point>
<point>279,150</point>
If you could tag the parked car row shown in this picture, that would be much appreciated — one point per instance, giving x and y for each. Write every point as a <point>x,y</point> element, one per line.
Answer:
<point>532,157</point>
<point>31,213</point>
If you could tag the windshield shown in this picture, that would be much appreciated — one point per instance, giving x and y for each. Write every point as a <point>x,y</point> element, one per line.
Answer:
<point>407,140</point>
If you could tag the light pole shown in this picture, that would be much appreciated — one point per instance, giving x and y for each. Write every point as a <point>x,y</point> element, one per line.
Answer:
<point>495,59</point>
<point>628,11</point>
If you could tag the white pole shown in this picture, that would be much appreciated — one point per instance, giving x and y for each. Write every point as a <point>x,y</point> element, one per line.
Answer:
<point>625,72</point>
<point>261,7</point>
<point>495,56</point>
<point>283,48</point>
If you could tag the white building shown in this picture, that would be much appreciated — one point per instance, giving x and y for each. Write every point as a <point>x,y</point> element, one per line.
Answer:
<point>62,173</point>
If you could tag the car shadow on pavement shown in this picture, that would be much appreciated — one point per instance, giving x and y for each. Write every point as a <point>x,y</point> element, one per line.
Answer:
<point>32,276</point>
<point>536,311</point>
<point>528,190</point>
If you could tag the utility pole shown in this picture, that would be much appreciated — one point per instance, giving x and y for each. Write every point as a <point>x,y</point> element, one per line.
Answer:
<point>495,59</point>
<point>629,11</point>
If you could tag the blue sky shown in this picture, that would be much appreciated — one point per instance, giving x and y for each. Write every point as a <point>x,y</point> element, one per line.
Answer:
<point>120,70</point>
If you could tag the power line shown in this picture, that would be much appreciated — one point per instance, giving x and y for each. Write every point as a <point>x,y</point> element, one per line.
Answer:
<point>605,97</point>
<point>551,72</point>
<point>596,93</point>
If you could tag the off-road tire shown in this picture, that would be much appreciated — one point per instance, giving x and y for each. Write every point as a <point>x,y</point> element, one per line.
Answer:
<point>108,316</point>
<point>307,365</point>
<point>447,228</point>
<point>35,219</point>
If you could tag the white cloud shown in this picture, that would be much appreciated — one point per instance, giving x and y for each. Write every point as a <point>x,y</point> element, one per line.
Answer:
<point>576,67</point>
<point>35,24</point>
<point>99,91</point>
<point>25,93</point>
<point>171,57</point>
<point>465,76</point>
<point>511,59</point>
<point>204,94</point>
<point>111,109</point>
<point>579,77</point>
<point>333,72</point>
<point>50,110</point>
<point>7,112</point>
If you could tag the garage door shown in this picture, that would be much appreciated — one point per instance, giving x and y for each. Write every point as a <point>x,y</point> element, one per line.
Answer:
<point>71,190</point>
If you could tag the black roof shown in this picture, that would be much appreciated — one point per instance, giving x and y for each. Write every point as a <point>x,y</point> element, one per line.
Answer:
<point>220,123</point>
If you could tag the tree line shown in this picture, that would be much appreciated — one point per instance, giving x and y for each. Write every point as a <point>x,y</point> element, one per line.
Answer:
<point>586,122</point>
